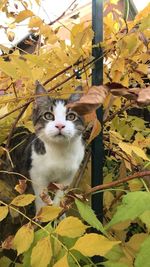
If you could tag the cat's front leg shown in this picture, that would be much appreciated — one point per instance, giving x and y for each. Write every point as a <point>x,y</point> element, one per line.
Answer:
<point>40,190</point>
<point>58,197</point>
<point>61,193</point>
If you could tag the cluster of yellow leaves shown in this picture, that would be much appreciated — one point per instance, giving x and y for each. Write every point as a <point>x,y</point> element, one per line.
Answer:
<point>126,47</point>
<point>41,250</point>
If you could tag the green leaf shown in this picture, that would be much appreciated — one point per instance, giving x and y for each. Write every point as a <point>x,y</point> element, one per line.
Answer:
<point>142,259</point>
<point>41,253</point>
<point>5,262</point>
<point>115,254</point>
<point>114,264</point>
<point>145,218</point>
<point>133,205</point>
<point>71,227</point>
<point>89,216</point>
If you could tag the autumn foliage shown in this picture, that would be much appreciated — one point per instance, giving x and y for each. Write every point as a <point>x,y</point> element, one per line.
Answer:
<point>123,236</point>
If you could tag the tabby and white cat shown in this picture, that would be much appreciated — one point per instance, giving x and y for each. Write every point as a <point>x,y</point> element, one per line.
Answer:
<point>54,153</point>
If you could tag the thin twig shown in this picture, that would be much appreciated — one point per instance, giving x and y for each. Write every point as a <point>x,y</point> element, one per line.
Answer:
<point>15,109</point>
<point>63,14</point>
<point>15,123</point>
<point>62,71</point>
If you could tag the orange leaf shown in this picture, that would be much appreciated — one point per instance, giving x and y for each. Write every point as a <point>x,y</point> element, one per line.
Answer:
<point>24,15</point>
<point>90,101</point>
<point>95,131</point>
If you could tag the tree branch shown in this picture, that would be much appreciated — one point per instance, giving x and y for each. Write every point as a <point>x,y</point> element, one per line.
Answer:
<point>118,182</point>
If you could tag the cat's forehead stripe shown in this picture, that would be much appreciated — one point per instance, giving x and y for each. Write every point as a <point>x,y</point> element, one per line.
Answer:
<point>60,107</point>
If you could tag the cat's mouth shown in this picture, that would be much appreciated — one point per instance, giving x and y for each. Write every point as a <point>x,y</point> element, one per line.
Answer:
<point>60,135</point>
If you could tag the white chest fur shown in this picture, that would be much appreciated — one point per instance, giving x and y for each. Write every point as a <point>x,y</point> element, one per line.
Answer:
<point>59,164</point>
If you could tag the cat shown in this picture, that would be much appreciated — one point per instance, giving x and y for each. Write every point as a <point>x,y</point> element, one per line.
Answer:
<point>55,151</point>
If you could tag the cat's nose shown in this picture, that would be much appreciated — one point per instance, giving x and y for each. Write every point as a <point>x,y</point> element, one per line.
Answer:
<point>60,126</point>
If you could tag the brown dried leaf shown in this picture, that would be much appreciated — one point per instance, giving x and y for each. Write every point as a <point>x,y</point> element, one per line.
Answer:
<point>56,186</point>
<point>90,101</point>
<point>46,198</point>
<point>8,242</point>
<point>21,187</point>
<point>10,36</point>
<point>144,96</point>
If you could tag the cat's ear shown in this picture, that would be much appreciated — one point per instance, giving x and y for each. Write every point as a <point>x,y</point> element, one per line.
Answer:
<point>77,95</point>
<point>41,94</point>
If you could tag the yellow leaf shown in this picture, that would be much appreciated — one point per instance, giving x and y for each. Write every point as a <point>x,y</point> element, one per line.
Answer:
<point>35,22</point>
<point>23,200</point>
<point>125,81</point>
<point>143,68</point>
<point>117,75</point>
<point>129,149</point>
<point>3,212</point>
<point>126,148</point>
<point>41,253</point>
<point>48,213</point>
<point>63,262</point>
<point>94,244</point>
<point>7,68</point>
<point>10,35</point>
<point>24,15</point>
<point>139,152</point>
<point>135,185</point>
<point>71,227</point>
<point>119,65</point>
<point>23,238</point>
<point>114,2</point>
<point>38,1</point>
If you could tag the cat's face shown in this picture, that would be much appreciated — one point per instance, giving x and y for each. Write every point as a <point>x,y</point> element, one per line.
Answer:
<point>53,120</point>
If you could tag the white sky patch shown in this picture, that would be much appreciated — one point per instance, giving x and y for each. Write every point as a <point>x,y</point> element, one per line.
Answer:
<point>48,10</point>
<point>140,4</point>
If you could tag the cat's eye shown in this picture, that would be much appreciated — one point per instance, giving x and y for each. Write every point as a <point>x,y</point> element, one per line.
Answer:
<point>48,116</point>
<point>71,116</point>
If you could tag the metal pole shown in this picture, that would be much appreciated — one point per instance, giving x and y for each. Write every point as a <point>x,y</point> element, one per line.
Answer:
<point>97,144</point>
<point>97,79</point>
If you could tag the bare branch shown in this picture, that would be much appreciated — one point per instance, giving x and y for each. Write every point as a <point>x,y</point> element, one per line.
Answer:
<point>118,182</point>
